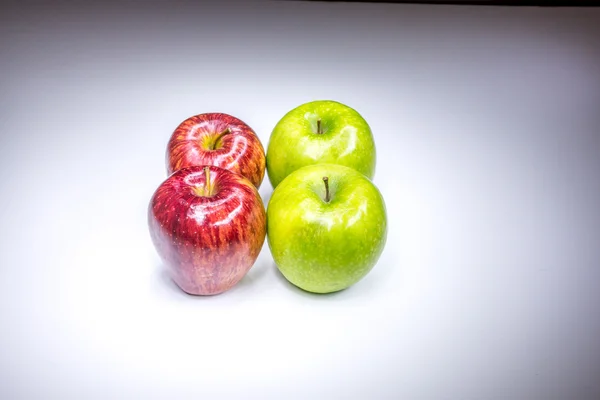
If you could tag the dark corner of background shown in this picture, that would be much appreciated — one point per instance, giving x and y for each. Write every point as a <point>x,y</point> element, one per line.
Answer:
<point>538,3</point>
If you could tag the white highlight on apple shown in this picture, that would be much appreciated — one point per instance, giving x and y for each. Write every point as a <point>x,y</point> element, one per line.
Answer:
<point>230,216</point>
<point>350,131</point>
<point>356,217</point>
<point>236,143</point>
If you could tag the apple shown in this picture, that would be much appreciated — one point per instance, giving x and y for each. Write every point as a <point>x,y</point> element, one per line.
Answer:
<point>208,226</point>
<point>217,139</point>
<point>326,227</point>
<point>322,131</point>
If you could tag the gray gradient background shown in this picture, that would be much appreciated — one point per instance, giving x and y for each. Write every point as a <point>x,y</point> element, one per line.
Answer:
<point>487,126</point>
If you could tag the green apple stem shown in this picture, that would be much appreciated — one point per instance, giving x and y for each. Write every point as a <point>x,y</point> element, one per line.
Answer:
<point>319,131</point>
<point>327,195</point>
<point>218,138</point>
<point>207,182</point>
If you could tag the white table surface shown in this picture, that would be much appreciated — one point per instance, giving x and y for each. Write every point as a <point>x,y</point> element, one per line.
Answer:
<point>487,126</point>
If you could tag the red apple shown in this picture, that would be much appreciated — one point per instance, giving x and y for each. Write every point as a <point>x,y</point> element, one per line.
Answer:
<point>208,225</point>
<point>217,139</point>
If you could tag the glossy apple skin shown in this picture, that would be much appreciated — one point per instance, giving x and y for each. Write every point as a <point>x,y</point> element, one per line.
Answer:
<point>321,246</point>
<point>207,243</point>
<point>346,140</point>
<point>240,151</point>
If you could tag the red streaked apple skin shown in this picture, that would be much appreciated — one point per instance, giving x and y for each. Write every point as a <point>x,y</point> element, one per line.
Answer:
<point>239,151</point>
<point>207,243</point>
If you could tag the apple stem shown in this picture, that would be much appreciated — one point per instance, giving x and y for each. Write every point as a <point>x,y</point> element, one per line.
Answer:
<point>319,131</point>
<point>207,182</point>
<point>327,195</point>
<point>225,132</point>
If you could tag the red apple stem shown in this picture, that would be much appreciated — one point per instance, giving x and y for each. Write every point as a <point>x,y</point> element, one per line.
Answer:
<point>319,131</point>
<point>327,195</point>
<point>218,138</point>
<point>207,182</point>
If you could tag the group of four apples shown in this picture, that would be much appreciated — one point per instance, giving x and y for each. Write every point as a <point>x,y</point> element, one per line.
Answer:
<point>325,223</point>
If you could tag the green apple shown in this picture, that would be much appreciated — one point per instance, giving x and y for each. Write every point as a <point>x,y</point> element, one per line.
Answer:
<point>326,227</point>
<point>318,132</point>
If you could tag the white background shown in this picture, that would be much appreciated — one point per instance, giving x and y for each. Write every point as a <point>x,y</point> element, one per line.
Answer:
<point>487,126</point>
